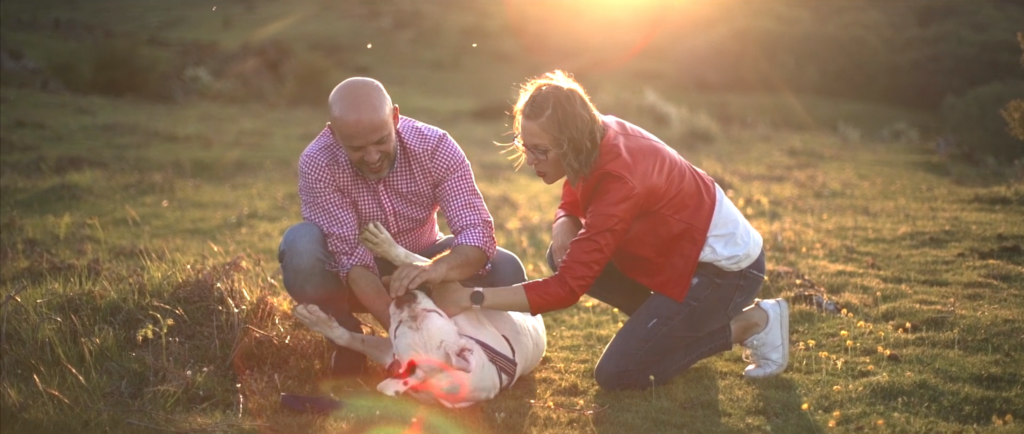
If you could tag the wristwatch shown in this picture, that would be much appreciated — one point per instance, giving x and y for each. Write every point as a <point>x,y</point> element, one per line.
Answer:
<point>476,298</point>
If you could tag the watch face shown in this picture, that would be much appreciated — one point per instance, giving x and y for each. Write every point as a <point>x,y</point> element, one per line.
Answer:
<point>477,298</point>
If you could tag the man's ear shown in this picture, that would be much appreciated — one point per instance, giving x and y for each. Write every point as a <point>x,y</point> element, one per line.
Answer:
<point>460,355</point>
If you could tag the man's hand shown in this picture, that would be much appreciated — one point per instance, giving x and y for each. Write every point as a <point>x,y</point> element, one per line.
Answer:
<point>564,230</point>
<point>453,299</point>
<point>410,276</point>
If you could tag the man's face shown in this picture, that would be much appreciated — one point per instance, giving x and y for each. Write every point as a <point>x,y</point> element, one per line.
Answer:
<point>369,143</point>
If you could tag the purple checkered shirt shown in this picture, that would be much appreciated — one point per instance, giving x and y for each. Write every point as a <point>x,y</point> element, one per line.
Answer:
<point>430,172</point>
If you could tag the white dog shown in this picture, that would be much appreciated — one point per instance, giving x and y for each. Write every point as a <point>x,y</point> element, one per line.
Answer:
<point>436,359</point>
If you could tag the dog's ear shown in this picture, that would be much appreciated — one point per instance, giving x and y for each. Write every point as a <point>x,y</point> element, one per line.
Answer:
<point>460,355</point>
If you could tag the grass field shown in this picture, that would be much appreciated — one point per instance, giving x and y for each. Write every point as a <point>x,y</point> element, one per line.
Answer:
<point>139,242</point>
<point>145,253</point>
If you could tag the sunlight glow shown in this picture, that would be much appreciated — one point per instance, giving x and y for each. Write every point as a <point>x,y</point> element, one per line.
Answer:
<point>598,34</point>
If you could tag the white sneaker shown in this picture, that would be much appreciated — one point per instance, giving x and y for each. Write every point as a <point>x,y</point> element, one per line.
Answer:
<point>768,351</point>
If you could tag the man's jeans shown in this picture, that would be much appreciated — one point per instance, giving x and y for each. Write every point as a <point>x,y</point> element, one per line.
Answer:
<point>304,260</point>
<point>663,337</point>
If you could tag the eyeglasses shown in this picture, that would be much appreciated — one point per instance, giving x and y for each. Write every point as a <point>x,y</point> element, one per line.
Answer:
<point>537,154</point>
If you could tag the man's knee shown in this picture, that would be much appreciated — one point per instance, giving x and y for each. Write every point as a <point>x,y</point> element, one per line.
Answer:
<point>506,269</point>
<point>304,258</point>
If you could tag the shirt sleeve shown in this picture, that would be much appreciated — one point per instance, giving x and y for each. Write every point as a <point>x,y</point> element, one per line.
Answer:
<point>570,205</point>
<point>325,206</point>
<point>616,204</point>
<point>460,200</point>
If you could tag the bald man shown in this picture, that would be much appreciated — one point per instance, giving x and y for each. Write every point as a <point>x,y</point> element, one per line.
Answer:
<point>370,164</point>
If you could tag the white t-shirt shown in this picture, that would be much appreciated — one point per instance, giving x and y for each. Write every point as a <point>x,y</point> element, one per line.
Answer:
<point>732,242</point>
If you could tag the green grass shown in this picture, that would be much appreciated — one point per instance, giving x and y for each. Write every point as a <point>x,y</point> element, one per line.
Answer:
<point>141,240</point>
<point>145,251</point>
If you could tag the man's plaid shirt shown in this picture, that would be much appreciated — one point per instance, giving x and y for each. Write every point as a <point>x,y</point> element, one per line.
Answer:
<point>430,172</point>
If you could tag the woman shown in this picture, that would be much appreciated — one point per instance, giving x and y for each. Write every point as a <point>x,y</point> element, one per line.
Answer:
<point>643,230</point>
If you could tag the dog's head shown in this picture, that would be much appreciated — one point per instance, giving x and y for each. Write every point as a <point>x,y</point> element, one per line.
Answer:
<point>430,354</point>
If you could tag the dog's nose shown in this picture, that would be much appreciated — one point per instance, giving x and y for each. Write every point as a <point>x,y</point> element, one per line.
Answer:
<point>405,299</point>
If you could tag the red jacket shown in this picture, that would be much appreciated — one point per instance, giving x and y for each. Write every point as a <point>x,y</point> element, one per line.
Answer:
<point>643,207</point>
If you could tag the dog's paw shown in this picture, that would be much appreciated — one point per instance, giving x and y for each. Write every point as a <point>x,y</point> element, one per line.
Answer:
<point>320,322</point>
<point>377,239</point>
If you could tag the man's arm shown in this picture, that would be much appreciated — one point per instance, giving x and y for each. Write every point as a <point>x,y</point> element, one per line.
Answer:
<point>324,206</point>
<point>467,216</point>
<point>463,207</point>
<point>460,262</point>
<point>371,293</point>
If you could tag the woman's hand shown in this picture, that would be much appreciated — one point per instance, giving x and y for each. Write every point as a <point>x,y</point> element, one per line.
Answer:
<point>452,298</point>
<point>564,230</point>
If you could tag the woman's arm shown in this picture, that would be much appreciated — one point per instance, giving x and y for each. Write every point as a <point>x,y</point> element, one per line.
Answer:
<point>608,219</point>
<point>453,298</point>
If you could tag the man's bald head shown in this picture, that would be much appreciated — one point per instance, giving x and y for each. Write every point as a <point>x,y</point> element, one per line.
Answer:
<point>365,124</point>
<point>359,99</point>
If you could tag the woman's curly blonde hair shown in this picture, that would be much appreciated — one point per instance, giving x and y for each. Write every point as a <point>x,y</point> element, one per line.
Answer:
<point>562,109</point>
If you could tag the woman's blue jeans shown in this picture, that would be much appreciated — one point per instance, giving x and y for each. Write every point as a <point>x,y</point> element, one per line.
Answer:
<point>663,337</point>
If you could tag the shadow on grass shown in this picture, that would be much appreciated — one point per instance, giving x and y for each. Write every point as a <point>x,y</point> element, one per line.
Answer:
<point>781,404</point>
<point>689,403</point>
<point>510,410</point>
